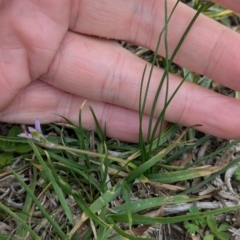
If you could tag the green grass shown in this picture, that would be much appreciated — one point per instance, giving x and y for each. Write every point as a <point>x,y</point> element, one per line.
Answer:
<point>79,185</point>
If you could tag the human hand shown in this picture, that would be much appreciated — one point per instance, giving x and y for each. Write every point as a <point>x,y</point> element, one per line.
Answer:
<point>50,63</point>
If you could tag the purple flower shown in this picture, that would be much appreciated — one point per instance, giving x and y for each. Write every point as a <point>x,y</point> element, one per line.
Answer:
<point>34,133</point>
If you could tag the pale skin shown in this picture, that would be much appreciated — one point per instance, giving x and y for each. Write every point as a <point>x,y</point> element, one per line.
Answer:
<point>52,59</point>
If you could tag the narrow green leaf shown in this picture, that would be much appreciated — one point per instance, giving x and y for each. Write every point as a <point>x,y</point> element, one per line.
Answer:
<point>94,154</point>
<point>82,204</point>
<point>166,135</point>
<point>186,148</point>
<point>18,219</point>
<point>13,139</point>
<point>103,233</point>
<point>215,153</point>
<point>161,116</point>
<point>101,134</point>
<point>212,176</point>
<point>104,167</point>
<point>106,197</point>
<point>22,231</point>
<point>124,234</point>
<point>87,210</point>
<point>39,205</point>
<point>51,175</point>
<point>146,204</point>
<point>181,175</point>
<point>81,137</point>
<point>126,193</point>
<point>139,219</point>
<point>75,167</point>
<point>151,135</point>
<point>157,158</point>
<point>7,237</point>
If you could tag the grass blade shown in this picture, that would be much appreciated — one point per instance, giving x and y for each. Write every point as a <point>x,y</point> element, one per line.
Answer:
<point>51,175</point>
<point>19,219</point>
<point>182,175</point>
<point>139,219</point>
<point>156,202</point>
<point>38,204</point>
<point>22,231</point>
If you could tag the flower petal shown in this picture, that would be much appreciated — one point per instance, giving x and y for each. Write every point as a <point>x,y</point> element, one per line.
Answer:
<point>25,135</point>
<point>38,126</point>
<point>31,129</point>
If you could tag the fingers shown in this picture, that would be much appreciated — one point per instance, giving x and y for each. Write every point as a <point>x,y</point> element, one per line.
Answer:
<point>31,33</point>
<point>103,71</point>
<point>40,100</point>
<point>232,4</point>
<point>209,49</point>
